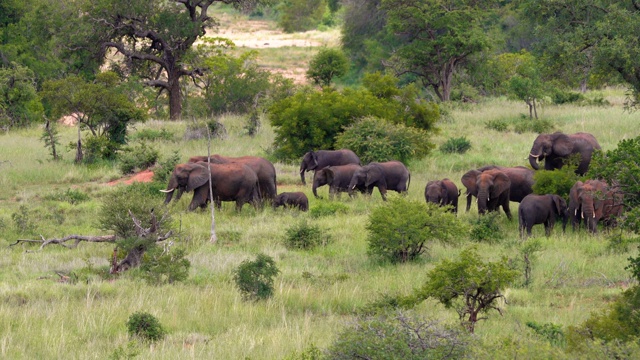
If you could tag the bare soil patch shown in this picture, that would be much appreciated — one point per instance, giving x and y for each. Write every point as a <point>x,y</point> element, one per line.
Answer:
<point>142,176</point>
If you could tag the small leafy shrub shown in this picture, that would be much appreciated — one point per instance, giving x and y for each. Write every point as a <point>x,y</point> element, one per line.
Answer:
<point>559,181</point>
<point>312,352</point>
<point>539,126</point>
<point>253,124</point>
<point>401,229</point>
<point>497,125</point>
<point>323,208</point>
<point>98,148</point>
<point>401,335</point>
<point>254,278</point>
<point>163,171</point>
<point>138,157</point>
<point>152,135</point>
<point>458,145</point>
<point>326,65</point>
<point>71,196</point>
<point>145,326</point>
<point>375,139</point>
<point>23,220</point>
<point>200,130</point>
<point>486,228</point>
<point>566,97</point>
<point>163,266</point>
<point>140,199</point>
<point>304,236</point>
<point>300,15</point>
<point>618,243</point>
<point>551,332</point>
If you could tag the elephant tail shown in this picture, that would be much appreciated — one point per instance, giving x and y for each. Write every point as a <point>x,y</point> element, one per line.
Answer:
<point>408,181</point>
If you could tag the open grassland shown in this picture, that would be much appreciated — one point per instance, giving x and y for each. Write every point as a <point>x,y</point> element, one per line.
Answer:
<point>316,291</point>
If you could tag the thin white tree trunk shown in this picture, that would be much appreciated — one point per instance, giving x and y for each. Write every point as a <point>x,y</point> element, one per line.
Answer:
<point>213,239</point>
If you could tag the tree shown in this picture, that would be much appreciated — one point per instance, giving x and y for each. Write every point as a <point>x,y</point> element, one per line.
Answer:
<point>19,102</point>
<point>436,37</point>
<point>155,37</point>
<point>401,230</point>
<point>525,82</point>
<point>101,106</point>
<point>589,37</point>
<point>469,285</point>
<point>301,15</point>
<point>363,34</point>
<point>326,65</point>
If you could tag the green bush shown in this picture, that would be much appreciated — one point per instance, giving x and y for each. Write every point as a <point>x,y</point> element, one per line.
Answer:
<point>197,130</point>
<point>551,332</point>
<point>164,266</point>
<point>254,278</point>
<point>497,125</point>
<point>23,220</point>
<point>163,171</point>
<point>304,236</point>
<point>152,135</point>
<point>136,158</point>
<point>374,139</point>
<point>402,335</point>
<point>458,145</point>
<point>400,230</point>
<point>566,97</point>
<point>326,65</point>
<point>98,148</point>
<point>486,228</point>
<point>145,326</point>
<point>71,196</point>
<point>559,181</point>
<point>323,208</point>
<point>140,199</point>
<point>19,101</point>
<point>300,15</point>
<point>536,126</point>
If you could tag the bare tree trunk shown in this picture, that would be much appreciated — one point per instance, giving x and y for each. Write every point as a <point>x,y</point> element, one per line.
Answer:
<point>213,239</point>
<point>79,146</point>
<point>175,99</point>
<point>535,111</point>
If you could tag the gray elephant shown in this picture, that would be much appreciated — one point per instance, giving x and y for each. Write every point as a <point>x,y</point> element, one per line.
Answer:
<point>442,192</point>
<point>291,199</point>
<point>542,209</point>
<point>390,175</point>
<point>520,177</point>
<point>594,201</point>
<point>555,148</point>
<point>492,188</point>
<point>338,178</point>
<point>263,168</point>
<point>229,182</point>
<point>316,160</point>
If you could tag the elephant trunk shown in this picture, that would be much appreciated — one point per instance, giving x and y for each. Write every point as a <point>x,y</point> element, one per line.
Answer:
<point>315,186</point>
<point>483,199</point>
<point>589,217</point>
<point>533,161</point>
<point>302,169</point>
<point>169,193</point>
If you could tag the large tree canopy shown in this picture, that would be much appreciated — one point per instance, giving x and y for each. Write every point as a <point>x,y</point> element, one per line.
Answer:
<point>436,37</point>
<point>155,37</point>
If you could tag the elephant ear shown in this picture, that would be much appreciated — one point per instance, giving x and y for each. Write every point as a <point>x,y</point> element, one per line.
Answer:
<point>562,145</point>
<point>197,177</point>
<point>469,181</point>
<point>501,183</point>
<point>314,157</point>
<point>374,174</point>
<point>330,174</point>
<point>444,192</point>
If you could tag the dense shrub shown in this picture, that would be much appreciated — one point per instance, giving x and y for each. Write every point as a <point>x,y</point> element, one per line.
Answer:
<point>72,196</point>
<point>164,265</point>
<point>139,198</point>
<point>19,102</point>
<point>539,126</point>
<point>497,125</point>
<point>197,130</point>
<point>136,158</point>
<point>152,135</point>
<point>97,148</point>
<point>486,228</point>
<point>163,171</point>
<point>566,97</point>
<point>375,139</point>
<point>326,65</point>
<point>145,326</point>
<point>549,331</point>
<point>559,181</point>
<point>402,335</point>
<point>305,236</point>
<point>459,145</point>
<point>401,229</point>
<point>324,208</point>
<point>254,278</point>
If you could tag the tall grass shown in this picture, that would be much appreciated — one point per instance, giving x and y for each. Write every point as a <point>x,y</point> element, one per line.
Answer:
<point>316,292</point>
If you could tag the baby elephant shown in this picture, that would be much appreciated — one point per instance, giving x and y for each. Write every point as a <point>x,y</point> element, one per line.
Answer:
<point>292,199</point>
<point>442,192</point>
<point>542,209</point>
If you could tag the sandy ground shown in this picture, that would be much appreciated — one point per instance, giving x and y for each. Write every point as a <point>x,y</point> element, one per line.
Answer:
<point>142,176</point>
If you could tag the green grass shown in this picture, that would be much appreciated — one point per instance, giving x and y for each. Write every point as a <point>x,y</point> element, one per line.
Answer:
<point>317,290</point>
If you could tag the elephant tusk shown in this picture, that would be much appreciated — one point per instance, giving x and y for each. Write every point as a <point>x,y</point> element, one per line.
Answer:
<point>353,187</point>
<point>535,156</point>
<point>167,191</point>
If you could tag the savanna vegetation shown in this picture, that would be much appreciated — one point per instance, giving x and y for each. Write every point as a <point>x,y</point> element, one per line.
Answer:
<point>150,84</point>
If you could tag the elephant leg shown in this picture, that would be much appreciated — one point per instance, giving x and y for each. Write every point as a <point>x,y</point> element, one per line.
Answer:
<point>469,196</point>
<point>383,193</point>
<point>505,207</point>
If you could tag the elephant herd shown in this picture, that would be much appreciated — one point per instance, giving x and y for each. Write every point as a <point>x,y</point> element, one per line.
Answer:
<point>250,179</point>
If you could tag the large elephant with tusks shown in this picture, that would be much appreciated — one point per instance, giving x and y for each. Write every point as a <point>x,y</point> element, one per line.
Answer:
<point>229,182</point>
<point>556,148</point>
<point>390,175</point>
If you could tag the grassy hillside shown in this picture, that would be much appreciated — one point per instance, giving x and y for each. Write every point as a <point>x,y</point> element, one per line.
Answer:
<point>316,291</point>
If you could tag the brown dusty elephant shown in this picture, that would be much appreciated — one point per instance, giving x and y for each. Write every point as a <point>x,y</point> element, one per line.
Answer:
<point>542,209</point>
<point>593,201</point>
<point>492,188</point>
<point>338,178</point>
<point>390,175</point>
<point>316,160</point>
<point>557,147</point>
<point>263,168</point>
<point>291,199</point>
<point>521,182</point>
<point>229,182</point>
<point>442,192</point>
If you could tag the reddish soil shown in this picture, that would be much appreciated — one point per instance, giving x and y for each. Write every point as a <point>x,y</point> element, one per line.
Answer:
<point>142,176</point>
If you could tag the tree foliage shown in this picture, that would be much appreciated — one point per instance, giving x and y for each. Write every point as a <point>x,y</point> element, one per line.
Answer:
<point>400,230</point>
<point>469,285</point>
<point>19,102</point>
<point>374,139</point>
<point>254,278</point>
<point>301,15</point>
<point>363,34</point>
<point>326,65</point>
